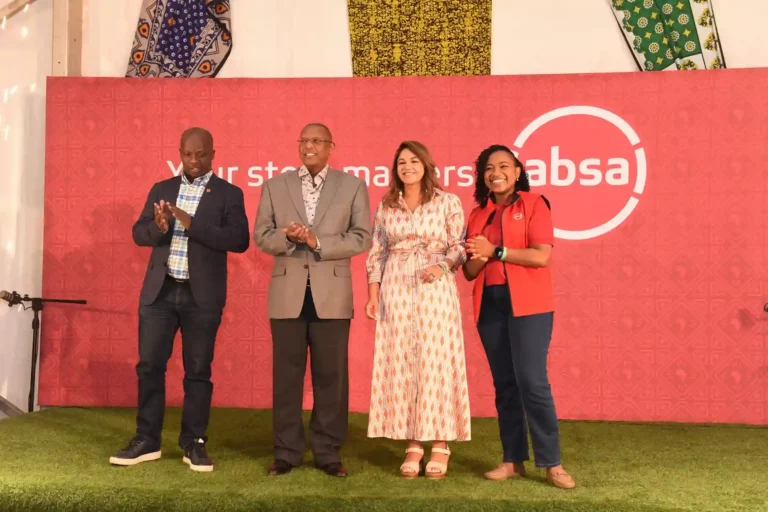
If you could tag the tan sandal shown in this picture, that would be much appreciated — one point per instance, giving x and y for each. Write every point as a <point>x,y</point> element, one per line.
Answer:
<point>412,468</point>
<point>437,470</point>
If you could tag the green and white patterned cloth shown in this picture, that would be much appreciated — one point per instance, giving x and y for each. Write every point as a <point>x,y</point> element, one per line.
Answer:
<point>670,34</point>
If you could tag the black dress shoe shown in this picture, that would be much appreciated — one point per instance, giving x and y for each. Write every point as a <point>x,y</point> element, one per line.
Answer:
<point>334,469</point>
<point>279,467</point>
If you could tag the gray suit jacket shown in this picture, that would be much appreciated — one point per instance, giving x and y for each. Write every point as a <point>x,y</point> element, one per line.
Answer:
<point>342,225</point>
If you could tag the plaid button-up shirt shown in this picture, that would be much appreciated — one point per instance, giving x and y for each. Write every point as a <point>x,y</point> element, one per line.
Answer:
<point>188,200</point>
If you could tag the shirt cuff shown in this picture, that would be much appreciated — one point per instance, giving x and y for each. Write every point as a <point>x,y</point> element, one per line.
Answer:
<point>289,247</point>
<point>453,262</point>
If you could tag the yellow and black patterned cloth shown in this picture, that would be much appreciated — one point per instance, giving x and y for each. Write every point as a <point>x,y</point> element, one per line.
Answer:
<point>420,37</point>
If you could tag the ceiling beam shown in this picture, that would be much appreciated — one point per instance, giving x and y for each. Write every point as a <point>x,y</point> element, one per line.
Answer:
<point>13,7</point>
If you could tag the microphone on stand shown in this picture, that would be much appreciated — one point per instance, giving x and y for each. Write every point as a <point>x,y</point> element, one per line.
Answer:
<point>12,298</point>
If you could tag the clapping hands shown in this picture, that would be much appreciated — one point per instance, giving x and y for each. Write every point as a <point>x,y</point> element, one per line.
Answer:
<point>300,234</point>
<point>162,212</point>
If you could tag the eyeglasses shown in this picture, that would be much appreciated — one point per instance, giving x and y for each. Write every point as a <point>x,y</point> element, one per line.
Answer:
<point>315,141</point>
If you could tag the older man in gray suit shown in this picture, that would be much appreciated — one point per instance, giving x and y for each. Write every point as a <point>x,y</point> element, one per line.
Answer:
<point>312,221</point>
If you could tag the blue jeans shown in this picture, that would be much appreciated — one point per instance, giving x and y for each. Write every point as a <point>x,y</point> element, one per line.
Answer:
<point>517,350</point>
<point>175,309</point>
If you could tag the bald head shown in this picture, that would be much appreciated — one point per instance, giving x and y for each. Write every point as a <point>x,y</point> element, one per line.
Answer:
<point>196,152</point>
<point>319,126</point>
<point>315,146</point>
<point>204,135</point>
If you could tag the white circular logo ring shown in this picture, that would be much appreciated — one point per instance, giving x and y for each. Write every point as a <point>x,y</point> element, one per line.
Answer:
<point>633,139</point>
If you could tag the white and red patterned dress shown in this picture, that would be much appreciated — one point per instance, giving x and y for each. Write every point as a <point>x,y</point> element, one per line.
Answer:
<point>419,387</point>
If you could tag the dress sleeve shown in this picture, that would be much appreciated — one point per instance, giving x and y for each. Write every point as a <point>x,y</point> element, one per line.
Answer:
<point>456,232</point>
<point>377,256</point>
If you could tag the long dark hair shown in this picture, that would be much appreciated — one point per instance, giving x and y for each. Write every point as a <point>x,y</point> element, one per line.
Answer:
<point>482,193</point>
<point>429,182</point>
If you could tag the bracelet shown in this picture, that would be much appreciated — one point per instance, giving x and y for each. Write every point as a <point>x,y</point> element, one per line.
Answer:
<point>444,267</point>
<point>503,254</point>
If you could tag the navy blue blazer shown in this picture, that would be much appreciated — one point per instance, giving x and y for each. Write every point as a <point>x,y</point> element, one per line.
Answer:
<point>219,226</point>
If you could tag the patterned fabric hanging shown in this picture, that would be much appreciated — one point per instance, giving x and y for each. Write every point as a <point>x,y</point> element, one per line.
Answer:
<point>420,37</point>
<point>670,34</point>
<point>181,38</point>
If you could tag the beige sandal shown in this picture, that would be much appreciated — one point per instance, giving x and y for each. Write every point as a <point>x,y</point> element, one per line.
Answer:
<point>412,469</point>
<point>437,470</point>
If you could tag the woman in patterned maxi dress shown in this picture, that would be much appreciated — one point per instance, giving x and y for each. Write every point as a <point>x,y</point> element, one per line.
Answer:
<point>419,383</point>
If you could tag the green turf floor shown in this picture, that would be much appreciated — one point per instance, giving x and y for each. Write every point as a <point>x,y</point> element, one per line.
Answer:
<point>57,460</point>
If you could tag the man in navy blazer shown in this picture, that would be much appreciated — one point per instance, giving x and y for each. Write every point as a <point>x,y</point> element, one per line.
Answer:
<point>191,222</point>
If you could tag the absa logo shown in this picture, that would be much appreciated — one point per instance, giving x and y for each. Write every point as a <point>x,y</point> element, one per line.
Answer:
<point>589,163</point>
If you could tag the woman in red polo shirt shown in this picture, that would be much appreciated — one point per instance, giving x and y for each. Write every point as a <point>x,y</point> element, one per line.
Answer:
<point>509,240</point>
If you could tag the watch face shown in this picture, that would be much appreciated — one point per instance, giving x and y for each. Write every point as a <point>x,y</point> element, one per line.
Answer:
<point>498,252</point>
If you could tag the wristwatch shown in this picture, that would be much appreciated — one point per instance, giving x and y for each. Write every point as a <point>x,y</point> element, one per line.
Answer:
<point>498,252</point>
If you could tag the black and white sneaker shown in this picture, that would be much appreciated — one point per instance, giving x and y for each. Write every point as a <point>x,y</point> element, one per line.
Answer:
<point>138,450</point>
<point>196,456</point>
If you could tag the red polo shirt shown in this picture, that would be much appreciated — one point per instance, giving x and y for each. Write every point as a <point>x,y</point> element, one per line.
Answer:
<point>525,223</point>
<point>494,269</point>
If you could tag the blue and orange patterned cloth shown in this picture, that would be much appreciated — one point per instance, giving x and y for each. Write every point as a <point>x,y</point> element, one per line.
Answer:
<point>181,38</point>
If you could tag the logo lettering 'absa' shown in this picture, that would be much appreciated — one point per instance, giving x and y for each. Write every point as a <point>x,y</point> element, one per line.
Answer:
<point>589,163</point>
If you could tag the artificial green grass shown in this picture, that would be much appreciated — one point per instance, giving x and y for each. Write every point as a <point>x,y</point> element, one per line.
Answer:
<point>58,460</point>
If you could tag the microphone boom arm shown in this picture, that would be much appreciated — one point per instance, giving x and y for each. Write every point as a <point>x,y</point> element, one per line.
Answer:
<point>14,299</point>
